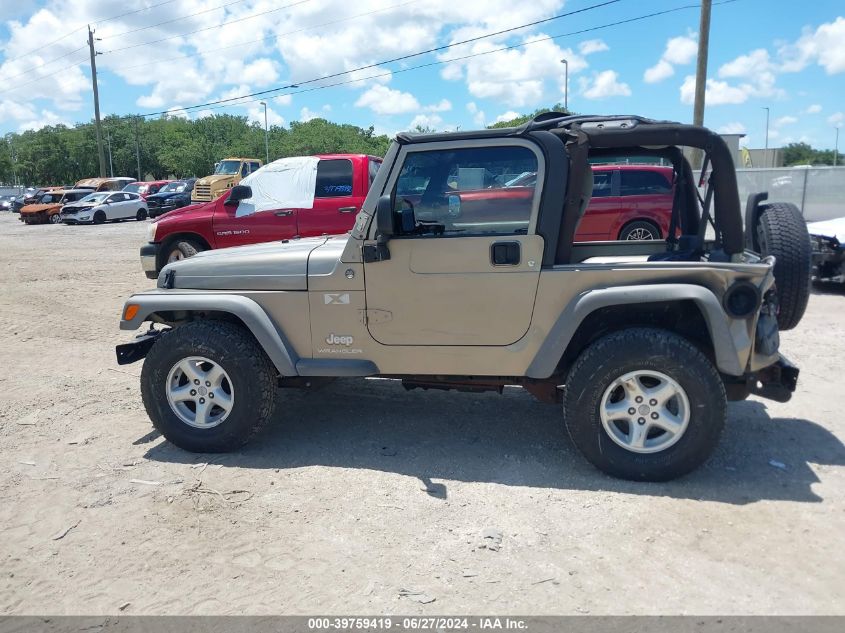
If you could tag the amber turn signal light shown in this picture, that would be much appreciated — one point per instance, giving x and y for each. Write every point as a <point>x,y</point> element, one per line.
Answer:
<point>130,311</point>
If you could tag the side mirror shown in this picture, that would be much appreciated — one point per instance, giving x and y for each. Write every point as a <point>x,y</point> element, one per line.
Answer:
<point>238,193</point>
<point>385,222</point>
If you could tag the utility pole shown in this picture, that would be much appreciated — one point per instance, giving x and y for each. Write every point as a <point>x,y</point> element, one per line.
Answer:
<point>111,166</point>
<point>137,151</point>
<point>96,103</point>
<point>266,136</point>
<point>565,63</point>
<point>766,149</point>
<point>701,72</point>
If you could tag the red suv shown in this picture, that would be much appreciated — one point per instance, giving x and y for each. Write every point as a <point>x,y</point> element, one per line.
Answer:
<point>630,202</point>
<point>342,183</point>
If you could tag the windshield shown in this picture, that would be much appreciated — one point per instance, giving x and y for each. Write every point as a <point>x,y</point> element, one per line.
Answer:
<point>95,197</point>
<point>49,198</point>
<point>173,187</point>
<point>136,187</point>
<point>228,167</point>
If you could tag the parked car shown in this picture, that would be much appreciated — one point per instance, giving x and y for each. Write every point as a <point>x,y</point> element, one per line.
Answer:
<point>340,185</point>
<point>145,188</point>
<point>227,174</point>
<point>6,203</point>
<point>174,195</point>
<point>103,206</point>
<point>49,206</point>
<point>638,344</point>
<point>104,184</point>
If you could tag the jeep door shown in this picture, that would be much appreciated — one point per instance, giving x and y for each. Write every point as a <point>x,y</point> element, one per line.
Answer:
<point>462,275</point>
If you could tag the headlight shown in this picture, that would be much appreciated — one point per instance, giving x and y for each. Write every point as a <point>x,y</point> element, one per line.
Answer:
<point>151,231</point>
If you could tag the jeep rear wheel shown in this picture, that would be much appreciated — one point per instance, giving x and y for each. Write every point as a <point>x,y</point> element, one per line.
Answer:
<point>644,404</point>
<point>208,386</point>
<point>782,232</point>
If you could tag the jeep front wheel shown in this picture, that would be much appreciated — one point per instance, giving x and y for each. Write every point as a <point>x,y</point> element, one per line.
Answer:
<point>208,386</point>
<point>644,404</point>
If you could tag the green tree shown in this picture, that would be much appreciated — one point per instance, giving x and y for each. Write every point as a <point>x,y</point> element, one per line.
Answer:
<point>525,118</point>
<point>804,154</point>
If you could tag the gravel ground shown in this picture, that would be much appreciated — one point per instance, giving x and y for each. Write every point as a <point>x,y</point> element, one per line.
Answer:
<point>361,492</point>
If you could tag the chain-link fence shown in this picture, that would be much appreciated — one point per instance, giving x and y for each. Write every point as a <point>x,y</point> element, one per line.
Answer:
<point>818,191</point>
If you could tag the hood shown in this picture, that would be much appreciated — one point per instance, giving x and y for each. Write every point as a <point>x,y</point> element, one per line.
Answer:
<point>37,208</point>
<point>167,195</point>
<point>269,266</point>
<point>210,180</point>
<point>829,228</point>
<point>82,205</point>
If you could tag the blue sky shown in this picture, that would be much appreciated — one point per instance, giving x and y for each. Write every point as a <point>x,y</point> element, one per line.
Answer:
<point>173,54</point>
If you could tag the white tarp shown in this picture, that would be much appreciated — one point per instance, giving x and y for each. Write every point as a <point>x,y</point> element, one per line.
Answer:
<point>829,228</point>
<point>287,183</point>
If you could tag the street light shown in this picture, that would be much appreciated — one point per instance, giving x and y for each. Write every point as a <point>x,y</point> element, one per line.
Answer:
<point>836,147</point>
<point>266,137</point>
<point>566,86</point>
<point>766,150</point>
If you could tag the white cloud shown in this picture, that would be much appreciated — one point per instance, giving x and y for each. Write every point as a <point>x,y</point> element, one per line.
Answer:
<point>306,114</point>
<point>732,128</point>
<point>178,112</point>
<point>588,47</point>
<point>425,121</point>
<point>255,114</point>
<point>44,119</point>
<point>515,77</point>
<point>443,106</point>
<point>283,100</point>
<point>785,120</point>
<point>478,117</point>
<point>510,115</point>
<point>716,92</point>
<point>836,119</point>
<point>813,109</point>
<point>679,51</point>
<point>747,65</point>
<point>825,46</point>
<point>660,71</point>
<point>603,85</point>
<point>383,100</point>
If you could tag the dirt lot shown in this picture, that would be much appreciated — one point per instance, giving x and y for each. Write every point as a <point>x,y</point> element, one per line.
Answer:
<point>361,490</point>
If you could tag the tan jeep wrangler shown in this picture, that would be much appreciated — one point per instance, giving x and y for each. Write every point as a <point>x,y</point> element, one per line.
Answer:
<point>460,274</point>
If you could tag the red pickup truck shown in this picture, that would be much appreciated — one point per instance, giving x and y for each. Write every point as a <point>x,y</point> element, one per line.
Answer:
<point>342,182</point>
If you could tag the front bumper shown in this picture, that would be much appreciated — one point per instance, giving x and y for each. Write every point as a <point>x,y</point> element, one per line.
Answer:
<point>149,259</point>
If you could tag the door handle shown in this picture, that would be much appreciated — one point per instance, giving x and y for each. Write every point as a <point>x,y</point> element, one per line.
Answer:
<point>347,209</point>
<point>505,253</point>
<point>285,213</point>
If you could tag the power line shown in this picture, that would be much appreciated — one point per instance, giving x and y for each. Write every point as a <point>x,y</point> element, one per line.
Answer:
<point>76,30</point>
<point>42,64</point>
<point>42,77</point>
<point>274,37</point>
<point>400,58</point>
<point>445,61</point>
<point>177,19</point>
<point>207,28</point>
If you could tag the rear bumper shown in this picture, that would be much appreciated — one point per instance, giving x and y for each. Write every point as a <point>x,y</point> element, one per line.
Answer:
<point>776,382</point>
<point>149,259</point>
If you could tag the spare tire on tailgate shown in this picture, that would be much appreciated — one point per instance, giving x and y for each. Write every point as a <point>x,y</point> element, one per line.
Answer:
<point>781,231</point>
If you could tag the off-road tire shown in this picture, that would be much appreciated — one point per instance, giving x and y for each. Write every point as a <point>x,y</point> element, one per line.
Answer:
<point>782,232</point>
<point>252,375</point>
<point>141,215</point>
<point>99,217</point>
<point>652,349</point>
<point>187,248</point>
<point>640,225</point>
